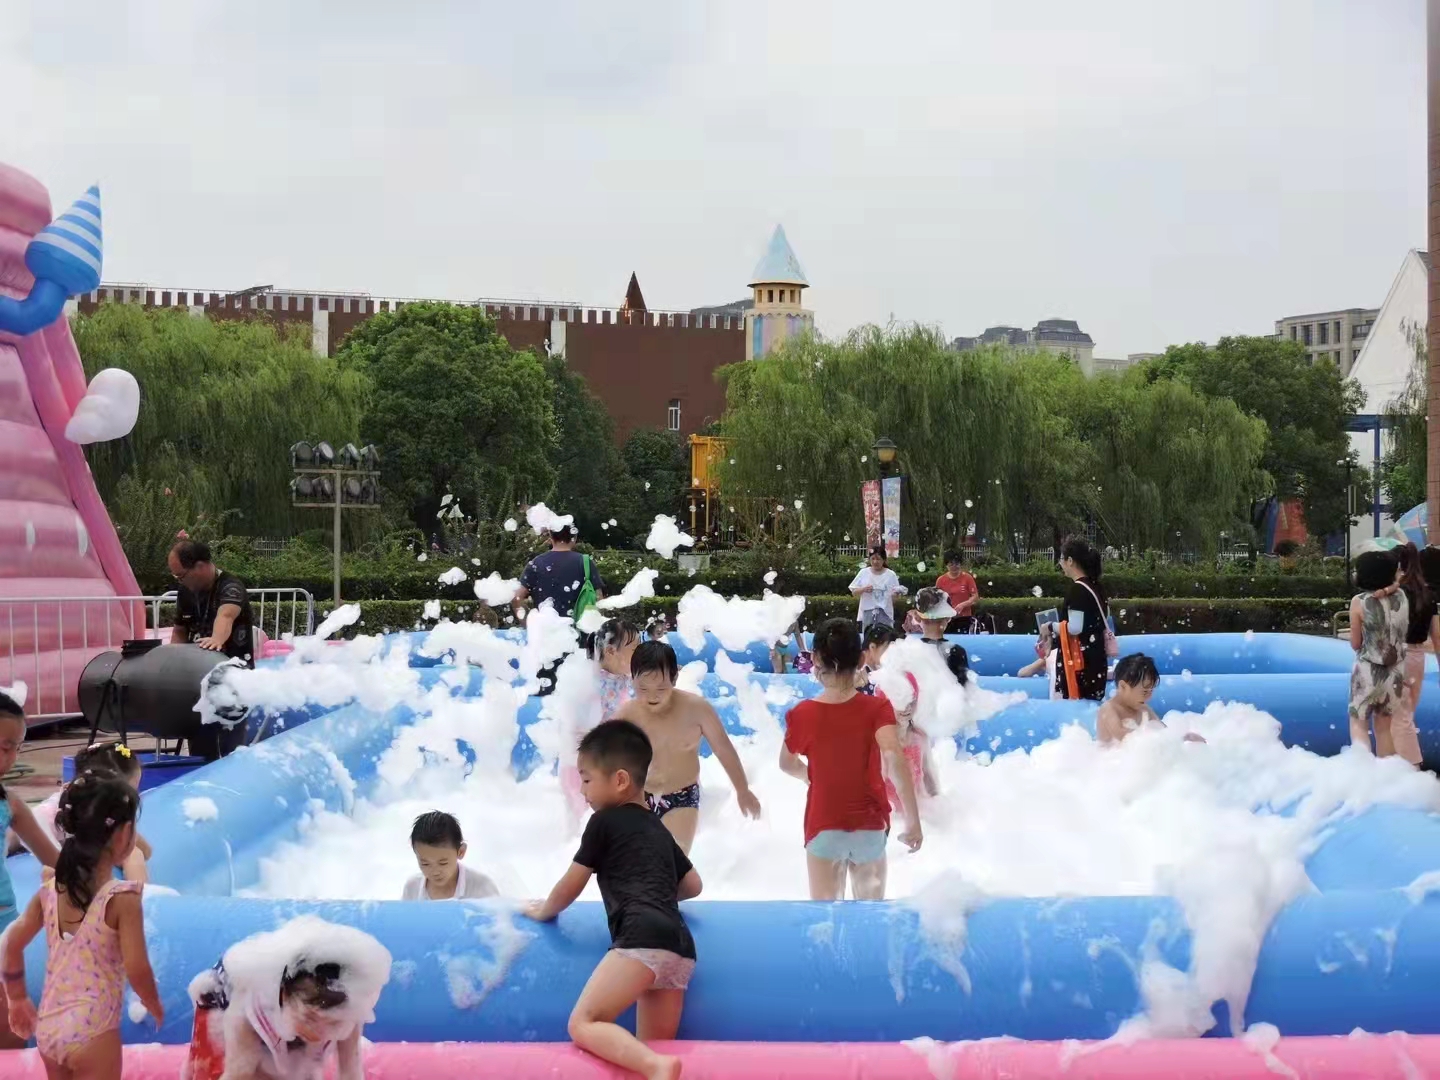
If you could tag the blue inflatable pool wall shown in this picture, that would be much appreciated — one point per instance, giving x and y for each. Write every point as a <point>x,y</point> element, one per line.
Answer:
<point>1360,952</point>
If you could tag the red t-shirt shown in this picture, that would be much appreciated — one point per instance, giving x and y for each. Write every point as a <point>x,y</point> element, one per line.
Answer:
<point>847,790</point>
<point>958,589</point>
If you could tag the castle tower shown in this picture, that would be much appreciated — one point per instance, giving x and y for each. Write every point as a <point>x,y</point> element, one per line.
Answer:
<point>779,284</point>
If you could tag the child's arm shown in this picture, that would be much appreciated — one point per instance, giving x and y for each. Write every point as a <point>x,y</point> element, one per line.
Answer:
<point>130,922</point>
<point>1357,623</point>
<point>17,998</point>
<point>348,1059</point>
<point>566,891</point>
<point>134,867</point>
<point>927,772</point>
<point>690,886</point>
<point>143,846</point>
<point>719,740</point>
<point>888,739</point>
<point>1108,728</point>
<point>792,765</point>
<point>40,842</point>
<point>1032,669</point>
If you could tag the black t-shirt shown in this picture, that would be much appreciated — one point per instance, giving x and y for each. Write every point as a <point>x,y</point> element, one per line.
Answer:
<point>557,576</point>
<point>196,613</point>
<point>639,866</point>
<point>1090,680</point>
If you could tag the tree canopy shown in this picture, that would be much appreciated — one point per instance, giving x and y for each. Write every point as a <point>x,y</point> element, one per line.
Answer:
<point>1020,446</point>
<point>454,409</point>
<point>1304,406</point>
<point>220,404</point>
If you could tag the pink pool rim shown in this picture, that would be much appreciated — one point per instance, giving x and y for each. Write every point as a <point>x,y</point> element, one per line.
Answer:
<point>1375,1057</point>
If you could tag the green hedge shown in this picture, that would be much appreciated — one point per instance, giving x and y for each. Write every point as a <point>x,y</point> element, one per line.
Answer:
<point>1133,615</point>
<point>994,584</point>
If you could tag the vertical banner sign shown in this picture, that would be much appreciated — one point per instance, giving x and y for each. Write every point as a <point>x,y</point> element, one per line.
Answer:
<point>870,499</point>
<point>890,499</point>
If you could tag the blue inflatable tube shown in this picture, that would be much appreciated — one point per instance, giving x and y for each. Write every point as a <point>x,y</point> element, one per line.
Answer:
<point>799,971</point>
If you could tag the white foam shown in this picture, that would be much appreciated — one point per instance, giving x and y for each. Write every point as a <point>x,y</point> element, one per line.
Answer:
<point>343,616</point>
<point>638,588</point>
<point>199,808</point>
<point>541,519</point>
<point>431,610</point>
<point>496,590</point>
<point>665,536</point>
<point>453,576</point>
<point>736,621</point>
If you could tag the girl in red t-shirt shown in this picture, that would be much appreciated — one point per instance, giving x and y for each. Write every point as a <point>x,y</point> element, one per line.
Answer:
<point>842,735</point>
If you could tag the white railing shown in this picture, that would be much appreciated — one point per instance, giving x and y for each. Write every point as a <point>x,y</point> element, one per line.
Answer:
<point>84,626</point>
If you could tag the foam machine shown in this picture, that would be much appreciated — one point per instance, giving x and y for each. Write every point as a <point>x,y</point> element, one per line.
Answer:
<point>150,687</point>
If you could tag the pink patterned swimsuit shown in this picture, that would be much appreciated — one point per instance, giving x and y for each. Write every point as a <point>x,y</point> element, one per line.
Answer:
<point>84,975</point>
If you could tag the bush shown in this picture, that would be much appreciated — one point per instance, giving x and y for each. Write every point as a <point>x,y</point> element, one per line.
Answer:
<point>1012,616</point>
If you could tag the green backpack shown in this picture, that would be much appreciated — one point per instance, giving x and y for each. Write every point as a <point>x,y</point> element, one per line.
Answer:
<point>585,599</point>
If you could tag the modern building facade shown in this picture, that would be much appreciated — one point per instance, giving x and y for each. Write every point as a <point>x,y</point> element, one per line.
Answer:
<point>1335,337</point>
<point>652,369</point>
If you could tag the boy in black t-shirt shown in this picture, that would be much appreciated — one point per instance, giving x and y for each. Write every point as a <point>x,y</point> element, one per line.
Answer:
<point>643,875</point>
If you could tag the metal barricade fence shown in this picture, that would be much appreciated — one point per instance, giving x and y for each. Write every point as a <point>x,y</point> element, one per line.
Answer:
<point>46,641</point>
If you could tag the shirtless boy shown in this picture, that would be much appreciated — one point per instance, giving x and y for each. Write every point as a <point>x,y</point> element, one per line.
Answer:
<point>1129,710</point>
<point>675,721</point>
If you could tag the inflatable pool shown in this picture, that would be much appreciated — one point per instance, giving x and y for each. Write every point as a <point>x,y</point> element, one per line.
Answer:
<point>1357,950</point>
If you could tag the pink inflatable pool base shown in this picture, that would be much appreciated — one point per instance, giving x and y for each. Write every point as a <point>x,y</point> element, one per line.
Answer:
<point>1376,1057</point>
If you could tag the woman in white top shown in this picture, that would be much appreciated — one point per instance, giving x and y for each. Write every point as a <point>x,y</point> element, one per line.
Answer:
<point>877,586</point>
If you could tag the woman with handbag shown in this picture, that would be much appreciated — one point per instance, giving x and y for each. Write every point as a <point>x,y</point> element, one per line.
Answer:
<point>1086,640</point>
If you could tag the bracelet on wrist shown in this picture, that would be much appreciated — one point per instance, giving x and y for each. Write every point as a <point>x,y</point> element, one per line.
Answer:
<point>13,976</point>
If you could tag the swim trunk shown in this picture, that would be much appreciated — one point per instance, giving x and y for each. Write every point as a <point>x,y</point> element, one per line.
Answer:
<point>672,971</point>
<point>858,847</point>
<point>685,799</point>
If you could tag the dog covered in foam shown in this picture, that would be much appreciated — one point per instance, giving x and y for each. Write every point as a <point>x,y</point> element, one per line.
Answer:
<point>279,1002</point>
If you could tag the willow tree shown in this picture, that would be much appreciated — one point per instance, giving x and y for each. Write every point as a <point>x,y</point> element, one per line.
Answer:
<point>221,402</point>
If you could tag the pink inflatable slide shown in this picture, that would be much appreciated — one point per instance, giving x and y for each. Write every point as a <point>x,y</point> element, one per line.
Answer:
<point>66,588</point>
<point>1375,1057</point>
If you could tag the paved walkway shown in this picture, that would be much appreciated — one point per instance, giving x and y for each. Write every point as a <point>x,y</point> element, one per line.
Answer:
<point>37,773</point>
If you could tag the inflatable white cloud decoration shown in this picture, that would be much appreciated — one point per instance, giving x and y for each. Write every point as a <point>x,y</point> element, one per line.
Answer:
<point>108,410</point>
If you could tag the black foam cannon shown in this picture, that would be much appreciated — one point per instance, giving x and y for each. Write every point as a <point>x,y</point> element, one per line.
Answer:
<point>151,687</point>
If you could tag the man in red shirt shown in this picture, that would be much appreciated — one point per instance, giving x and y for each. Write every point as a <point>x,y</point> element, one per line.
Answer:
<point>960,587</point>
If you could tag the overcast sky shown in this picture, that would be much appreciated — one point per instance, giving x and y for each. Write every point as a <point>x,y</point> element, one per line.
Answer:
<point>1160,172</point>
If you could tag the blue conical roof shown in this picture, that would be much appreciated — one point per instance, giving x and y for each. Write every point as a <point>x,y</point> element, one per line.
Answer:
<point>778,265</point>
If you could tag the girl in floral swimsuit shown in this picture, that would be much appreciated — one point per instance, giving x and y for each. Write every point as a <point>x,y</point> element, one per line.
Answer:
<point>1379,621</point>
<point>95,934</point>
<point>611,648</point>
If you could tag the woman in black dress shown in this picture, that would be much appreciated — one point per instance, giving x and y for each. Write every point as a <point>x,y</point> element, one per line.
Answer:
<point>1083,613</point>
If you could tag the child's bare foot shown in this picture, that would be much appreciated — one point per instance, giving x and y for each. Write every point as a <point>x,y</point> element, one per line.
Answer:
<point>666,1068</point>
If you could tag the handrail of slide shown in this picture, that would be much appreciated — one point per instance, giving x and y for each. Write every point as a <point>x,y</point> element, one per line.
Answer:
<point>96,624</point>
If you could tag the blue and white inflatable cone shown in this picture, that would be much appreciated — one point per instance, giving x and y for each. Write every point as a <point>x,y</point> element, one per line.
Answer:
<point>65,258</point>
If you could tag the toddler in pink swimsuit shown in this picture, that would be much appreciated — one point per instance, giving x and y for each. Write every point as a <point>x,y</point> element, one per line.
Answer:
<point>94,932</point>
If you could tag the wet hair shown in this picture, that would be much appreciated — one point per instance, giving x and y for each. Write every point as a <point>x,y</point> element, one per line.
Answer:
<point>1137,669</point>
<point>1375,570</point>
<point>656,628</point>
<point>881,634</point>
<point>836,645</point>
<point>1429,558</point>
<point>654,656</point>
<point>92,808</point>
<point>618,744</point>
<point>958,661</point>
<point>435,828</point>
<point>954,556</point>
<point>616,632</point>
<point>563,535</point>
<point>928,598</point>
<point>879,551</point>
<point>10,707</point>
<point>114,758</point>
<point>318,987</point>
<point>190,552</point>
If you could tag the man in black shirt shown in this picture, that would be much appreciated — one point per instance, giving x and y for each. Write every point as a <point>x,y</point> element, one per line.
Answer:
<point>212,611</point>
<point>213,608</point>
<point>557,575</point>
<point>643,874</point>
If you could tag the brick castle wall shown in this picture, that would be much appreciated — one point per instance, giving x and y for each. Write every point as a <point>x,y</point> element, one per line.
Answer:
<point>637,363</point>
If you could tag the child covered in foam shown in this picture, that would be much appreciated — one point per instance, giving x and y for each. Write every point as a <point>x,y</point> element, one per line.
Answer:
<point>279,1002</point>
<point>1136,677</point>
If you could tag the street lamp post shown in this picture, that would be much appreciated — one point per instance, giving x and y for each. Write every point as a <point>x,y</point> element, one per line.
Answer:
<point>1349,465</point>
<point>885,452</point>
<point>325,480</point>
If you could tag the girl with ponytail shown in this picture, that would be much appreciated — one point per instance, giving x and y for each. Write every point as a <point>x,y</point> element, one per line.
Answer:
<point>94,932</point>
